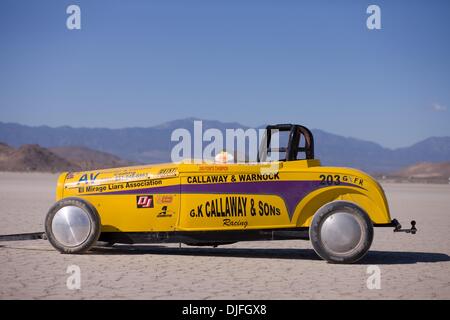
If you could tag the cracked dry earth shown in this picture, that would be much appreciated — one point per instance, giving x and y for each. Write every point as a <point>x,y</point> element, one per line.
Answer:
<point>412,266</point>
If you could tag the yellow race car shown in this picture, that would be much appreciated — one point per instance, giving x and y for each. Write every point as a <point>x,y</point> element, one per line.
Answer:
<point>222,203</point>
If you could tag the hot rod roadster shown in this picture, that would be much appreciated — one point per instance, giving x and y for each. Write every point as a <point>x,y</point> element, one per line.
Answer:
<point>221,203</point>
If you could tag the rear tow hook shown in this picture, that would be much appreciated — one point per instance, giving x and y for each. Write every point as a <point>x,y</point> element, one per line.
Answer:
<point>398,227</point>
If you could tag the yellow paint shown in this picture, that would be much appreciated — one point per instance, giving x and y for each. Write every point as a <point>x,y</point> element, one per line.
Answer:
<point>169,209</point>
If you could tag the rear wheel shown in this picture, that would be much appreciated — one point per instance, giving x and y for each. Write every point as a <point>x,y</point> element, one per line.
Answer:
<point>72,225</point>
<point>341,232</point>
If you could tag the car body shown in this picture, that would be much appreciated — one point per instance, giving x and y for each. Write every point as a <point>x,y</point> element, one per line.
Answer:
<point>220,203</point>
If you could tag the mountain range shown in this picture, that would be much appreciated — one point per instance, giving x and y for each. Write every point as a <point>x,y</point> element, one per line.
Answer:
<point>153,144</point>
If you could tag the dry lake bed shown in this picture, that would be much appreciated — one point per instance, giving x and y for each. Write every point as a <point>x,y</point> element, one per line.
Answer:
<point>410,266</point>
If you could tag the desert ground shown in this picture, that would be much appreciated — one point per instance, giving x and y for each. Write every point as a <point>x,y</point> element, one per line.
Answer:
<point>412,266</point>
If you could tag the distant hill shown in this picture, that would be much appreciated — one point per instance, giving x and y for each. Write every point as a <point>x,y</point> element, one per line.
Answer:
<point>4,150</point>
<point>426,170</point>
<point>153,144</point>
<point>32,157</point>
<point>88,159</point>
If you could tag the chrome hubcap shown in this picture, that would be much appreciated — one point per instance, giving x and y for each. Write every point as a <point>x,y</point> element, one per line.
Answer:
<point>71,226</point>
<point>341,232</point>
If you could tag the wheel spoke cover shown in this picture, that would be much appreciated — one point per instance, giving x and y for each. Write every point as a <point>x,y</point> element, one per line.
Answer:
<point>341,232</point>
<point>71,226</point>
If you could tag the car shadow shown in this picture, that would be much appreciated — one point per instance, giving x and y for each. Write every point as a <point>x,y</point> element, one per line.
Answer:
<point>403,257</point>
<point>372,257</point>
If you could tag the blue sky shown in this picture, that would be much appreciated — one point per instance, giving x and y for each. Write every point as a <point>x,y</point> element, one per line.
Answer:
<point>141,63</point>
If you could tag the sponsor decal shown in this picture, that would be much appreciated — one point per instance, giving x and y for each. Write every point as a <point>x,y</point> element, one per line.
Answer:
<point>234,206</point>
<point>259,177</point>
<point>168,172</point>
<point>130,175</point>
<point>103,188</point>
<point>88,178</point>
<point>164,199</point>
<point>207,179</point>
<point>143,183</point>
<point>144,201</point>
<point>235,223</point>
<point>164,213</point>
<point>213,168</point>
<point>253,177</point>
<point>330,180</point>
<point>95,189</point>
<point>354,180</point>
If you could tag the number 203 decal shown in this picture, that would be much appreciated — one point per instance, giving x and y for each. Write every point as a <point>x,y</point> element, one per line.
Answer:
<point>330,179</point>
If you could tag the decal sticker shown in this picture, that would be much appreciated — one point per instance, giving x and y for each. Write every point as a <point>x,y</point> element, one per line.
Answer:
<point>354,180</point>
<point>213,168</point>
<point>253,177</point>
<point>143,183</point>
<point>336,179</point>
<point>164,213</point>
<point>266,209</point>
<point>330,179</point>
<point>207,179</point>
<point>259,177</point>
<point>235,223</point>
<point>100,188</point>
<point>234,206</point>
<point>130,175</point>
<point>164,199</point>
<point>95,188</point>
<point>169,172</point>
<point>145,201</point>
<point>88,178</point>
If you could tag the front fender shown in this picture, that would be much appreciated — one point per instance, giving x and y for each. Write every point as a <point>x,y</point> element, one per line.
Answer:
<point>370,197</point>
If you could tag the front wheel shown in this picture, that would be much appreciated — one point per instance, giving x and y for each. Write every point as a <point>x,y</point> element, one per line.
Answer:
<point>72,225</point>
<point>341,232</point>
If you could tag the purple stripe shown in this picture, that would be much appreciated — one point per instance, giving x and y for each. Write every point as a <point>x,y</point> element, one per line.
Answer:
<point>292,192</point>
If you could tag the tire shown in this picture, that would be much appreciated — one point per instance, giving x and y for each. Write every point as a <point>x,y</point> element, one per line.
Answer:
<point>341,232</point>
<point>72,225</point>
